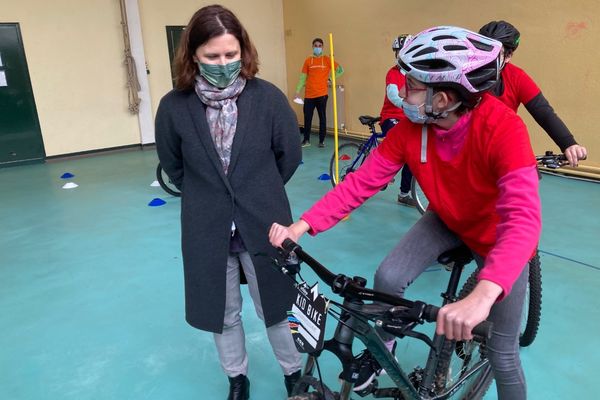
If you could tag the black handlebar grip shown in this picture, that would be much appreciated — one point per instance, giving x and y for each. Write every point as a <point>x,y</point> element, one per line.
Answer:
<point>483,329</point>
<point>289,245</point>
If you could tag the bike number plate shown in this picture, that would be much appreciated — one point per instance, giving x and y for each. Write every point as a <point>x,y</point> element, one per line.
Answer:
<point>307,318</point>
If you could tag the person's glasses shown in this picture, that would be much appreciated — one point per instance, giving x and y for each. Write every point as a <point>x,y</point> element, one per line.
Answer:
<point>411,88</point>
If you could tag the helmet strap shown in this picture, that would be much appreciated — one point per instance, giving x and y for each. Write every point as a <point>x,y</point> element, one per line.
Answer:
<point>429,106</point>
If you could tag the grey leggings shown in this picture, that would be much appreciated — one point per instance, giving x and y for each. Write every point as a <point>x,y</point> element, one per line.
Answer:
<point>231,344</point>
<point>419,249</point>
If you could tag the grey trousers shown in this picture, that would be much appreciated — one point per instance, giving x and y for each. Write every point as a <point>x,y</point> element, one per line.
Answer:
<point>231,344</point>
<point>419,249</point>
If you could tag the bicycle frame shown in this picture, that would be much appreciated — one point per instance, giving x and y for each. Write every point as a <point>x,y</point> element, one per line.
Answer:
<point>367,146</point>
<point>353,322</point>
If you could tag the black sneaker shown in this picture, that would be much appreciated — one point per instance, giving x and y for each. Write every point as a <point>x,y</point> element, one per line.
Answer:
<point>369,369</point>
<point>291,380</point>
<point>407,200</point>
<point>322,144</point>
<point>305,143</point>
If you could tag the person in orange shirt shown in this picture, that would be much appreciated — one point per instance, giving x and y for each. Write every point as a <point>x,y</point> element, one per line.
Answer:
<point>315,73</point>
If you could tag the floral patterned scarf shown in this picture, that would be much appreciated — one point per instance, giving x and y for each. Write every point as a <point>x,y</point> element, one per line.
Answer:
<point>221,114</point>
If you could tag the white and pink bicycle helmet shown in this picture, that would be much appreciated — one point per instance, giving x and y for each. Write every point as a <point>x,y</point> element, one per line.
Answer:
<point>453,57</point>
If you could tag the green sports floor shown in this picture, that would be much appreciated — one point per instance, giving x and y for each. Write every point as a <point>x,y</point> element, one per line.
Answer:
<point>91,286</point>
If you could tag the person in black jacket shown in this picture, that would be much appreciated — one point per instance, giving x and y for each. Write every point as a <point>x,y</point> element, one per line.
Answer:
<point>229,141</point>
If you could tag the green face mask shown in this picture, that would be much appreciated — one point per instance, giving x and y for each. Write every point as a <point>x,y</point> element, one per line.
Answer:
<point>219,75</point>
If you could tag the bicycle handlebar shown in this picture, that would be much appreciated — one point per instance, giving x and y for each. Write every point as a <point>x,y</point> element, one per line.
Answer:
<point>345,286</point>
<point>553,161</point>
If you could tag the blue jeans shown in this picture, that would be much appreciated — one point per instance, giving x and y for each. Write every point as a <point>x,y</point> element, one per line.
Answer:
<point>419,249</point>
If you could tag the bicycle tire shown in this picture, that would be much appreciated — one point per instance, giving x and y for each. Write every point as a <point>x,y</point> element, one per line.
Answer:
<point>310,388</point>
<point>476,386</point>
<point>167,186</point>
<point>533,311</point>
<point>351,150</point>
<point>418,196</point>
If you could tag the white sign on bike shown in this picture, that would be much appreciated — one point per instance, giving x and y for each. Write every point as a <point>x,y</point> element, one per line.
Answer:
<point>307,318</point>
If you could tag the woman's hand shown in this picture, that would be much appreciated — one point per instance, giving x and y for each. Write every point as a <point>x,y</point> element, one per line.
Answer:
<point>575,153</point>
<point>457,320</point>
<point>278,233</point>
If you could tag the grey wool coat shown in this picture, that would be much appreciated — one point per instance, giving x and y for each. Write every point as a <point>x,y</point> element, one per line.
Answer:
<point>265,154</point>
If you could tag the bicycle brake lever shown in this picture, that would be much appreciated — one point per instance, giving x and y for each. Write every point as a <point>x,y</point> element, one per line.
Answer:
<point>422,337</point>
<point>406,330</point>
<point>284,265</point>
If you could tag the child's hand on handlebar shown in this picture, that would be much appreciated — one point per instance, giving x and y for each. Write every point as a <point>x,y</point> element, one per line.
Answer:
<point>575,153</point>
<point>457,320</point>
<point>278,233</point>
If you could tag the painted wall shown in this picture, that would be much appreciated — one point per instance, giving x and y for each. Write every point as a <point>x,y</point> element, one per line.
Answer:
<point>75,54</point>
<point>557,42</point>
<point>263,19</point>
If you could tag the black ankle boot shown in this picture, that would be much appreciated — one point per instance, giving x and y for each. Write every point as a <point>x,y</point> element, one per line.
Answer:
<point>290,381</point>
<point>239,388</point>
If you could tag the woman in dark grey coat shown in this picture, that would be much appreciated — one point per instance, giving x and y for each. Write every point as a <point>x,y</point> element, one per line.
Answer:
<point>230,142</point>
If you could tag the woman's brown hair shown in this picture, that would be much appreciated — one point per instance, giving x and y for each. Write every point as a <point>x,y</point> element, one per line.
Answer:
<point>207,23</point>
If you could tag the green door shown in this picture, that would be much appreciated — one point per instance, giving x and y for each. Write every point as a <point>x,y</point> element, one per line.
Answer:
<point>173,36</point>
<point>20,134</point>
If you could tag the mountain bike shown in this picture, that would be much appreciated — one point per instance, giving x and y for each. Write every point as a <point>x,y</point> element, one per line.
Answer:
<point>165,182</point>
<point>457,369</point>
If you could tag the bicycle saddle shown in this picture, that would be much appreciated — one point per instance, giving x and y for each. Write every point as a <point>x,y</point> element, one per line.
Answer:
<point>368,120</point>
<point>459,255</point>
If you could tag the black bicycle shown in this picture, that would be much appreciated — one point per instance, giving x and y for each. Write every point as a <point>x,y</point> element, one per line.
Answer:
<point>457,369</point>
<point>165,182</point>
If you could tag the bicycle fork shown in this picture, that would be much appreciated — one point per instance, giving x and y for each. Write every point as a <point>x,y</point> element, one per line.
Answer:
<point>449,296</point>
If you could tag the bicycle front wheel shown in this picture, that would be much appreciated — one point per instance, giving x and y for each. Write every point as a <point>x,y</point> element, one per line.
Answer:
<point>310,388</point>
<point>350,158</point>
<point>532,310</point>
<point>165,182</point>
<point>417,194</point>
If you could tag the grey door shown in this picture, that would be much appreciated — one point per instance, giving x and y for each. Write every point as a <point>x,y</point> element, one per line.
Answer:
<point>20,134</point>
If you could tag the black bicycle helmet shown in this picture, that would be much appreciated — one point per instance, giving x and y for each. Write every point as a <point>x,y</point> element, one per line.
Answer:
<point>503,32</point>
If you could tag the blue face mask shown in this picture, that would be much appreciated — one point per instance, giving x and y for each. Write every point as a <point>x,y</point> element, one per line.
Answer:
<point>317,51</point>
<point>411,111</point>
